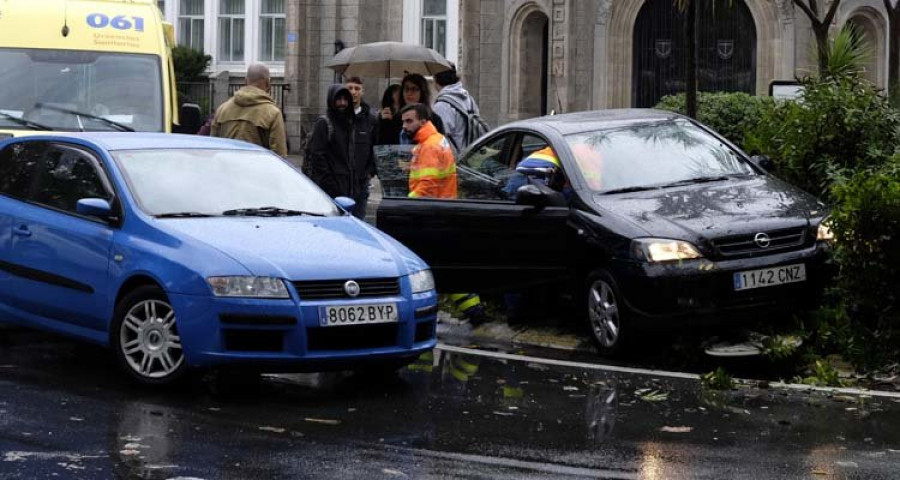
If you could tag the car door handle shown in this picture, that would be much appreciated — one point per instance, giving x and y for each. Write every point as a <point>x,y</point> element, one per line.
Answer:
<point>22,231</point>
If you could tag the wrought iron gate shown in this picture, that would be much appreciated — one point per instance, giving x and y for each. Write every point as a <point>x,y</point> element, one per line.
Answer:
<point>726,50</point>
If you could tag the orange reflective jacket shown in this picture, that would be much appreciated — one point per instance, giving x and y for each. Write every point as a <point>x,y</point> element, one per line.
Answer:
<point>432,171</point>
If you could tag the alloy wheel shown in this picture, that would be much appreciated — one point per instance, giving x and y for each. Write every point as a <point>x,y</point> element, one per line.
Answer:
<point>603,313</point>
<point>149,341</point>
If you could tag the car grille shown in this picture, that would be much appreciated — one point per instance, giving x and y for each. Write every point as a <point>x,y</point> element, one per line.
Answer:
<point>745,245</point>
<point>332,289</point>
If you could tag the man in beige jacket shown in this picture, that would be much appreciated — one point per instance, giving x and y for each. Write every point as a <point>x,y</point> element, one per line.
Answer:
<point>251,115</point>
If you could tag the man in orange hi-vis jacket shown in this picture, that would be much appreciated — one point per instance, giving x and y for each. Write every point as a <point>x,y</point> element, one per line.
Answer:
<point>432,174</point>
<point>432,171</point>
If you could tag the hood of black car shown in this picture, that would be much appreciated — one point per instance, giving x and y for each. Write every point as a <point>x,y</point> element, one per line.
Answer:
<point>713,210</point>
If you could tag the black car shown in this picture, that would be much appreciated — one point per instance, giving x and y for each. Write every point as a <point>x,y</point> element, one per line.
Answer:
<point>655,220</point>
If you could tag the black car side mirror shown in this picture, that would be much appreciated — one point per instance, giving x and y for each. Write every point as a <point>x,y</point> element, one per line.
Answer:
<point>763,162</point>
<point>190,118</point>
<point>532,196</point>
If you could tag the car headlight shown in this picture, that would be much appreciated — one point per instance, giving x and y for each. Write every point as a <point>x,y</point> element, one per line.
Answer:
<point>824,233</point>
<point>421,281</point>
<point>656,250</point>
<point>248,287</point>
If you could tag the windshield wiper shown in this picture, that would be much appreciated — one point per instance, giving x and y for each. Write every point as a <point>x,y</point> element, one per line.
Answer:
<point>25,123</point>
<point>183,215</point>
<point>629,189</point>
<point>116,125</point>
<point>692,181</point>
<point>268,212</point>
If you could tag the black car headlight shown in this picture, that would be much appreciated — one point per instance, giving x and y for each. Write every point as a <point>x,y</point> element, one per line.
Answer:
<point>824,233</point>
<point>658,250</point>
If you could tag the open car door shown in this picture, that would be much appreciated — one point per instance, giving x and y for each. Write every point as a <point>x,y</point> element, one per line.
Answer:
<point>481,245</point>
<point>482,241</point>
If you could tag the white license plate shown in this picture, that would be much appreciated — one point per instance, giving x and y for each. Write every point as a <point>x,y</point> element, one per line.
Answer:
<point>358,314</point>
<point>767,277</point>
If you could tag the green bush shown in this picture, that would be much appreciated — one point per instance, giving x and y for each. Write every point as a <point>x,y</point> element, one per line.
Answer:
<point>837,124</point>
<point>190,64</point>
<point>730,114</point>
<point>863,320</point>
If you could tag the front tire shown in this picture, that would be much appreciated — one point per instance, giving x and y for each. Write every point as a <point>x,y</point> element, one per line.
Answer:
<point>145,338</point>
<point>606,316</point>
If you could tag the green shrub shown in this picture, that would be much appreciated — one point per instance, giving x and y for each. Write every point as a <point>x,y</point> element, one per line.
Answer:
<point>837,124</point>
<point>730,114</point>
<point>190,64</point>
<point>863,320</point>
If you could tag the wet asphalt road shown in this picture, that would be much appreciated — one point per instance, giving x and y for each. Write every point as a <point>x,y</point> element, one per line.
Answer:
<point>66,413</point>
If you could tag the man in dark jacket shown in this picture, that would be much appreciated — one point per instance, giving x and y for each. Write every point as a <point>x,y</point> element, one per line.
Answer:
<point>340,156</point>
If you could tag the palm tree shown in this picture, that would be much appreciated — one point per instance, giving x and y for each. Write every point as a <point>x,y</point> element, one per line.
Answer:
<point>820,26</point>
<point>689,8</point>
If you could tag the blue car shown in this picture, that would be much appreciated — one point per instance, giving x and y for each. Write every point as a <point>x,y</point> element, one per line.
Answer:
<point>184,252</point>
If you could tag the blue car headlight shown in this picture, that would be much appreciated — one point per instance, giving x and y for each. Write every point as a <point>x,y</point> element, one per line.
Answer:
<point>421,281</point>
<point>248,287</point>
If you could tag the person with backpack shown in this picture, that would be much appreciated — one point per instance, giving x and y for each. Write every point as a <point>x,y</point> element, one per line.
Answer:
<point>340,155</point>
<point>458,110</point>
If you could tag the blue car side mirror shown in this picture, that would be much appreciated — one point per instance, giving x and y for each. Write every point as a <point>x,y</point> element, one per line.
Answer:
<point>346,203</point>
<point>95,207</point>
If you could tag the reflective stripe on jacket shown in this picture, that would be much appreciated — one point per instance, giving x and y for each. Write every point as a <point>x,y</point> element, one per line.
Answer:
<point>432,171</point>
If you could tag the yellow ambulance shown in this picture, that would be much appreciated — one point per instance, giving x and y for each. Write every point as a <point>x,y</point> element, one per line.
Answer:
<point>86,65</point>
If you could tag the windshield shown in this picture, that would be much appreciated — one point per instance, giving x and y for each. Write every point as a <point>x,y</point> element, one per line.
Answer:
<point>212,182</point>
<point>653,154</point>
<point>48,87</point>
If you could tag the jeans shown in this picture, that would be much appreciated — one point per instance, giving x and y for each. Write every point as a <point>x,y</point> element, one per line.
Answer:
<point>362,200</point>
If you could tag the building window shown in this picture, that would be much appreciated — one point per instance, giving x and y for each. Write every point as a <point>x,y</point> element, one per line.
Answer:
<point>271,31</point>
<point>434,25</point>
<point>231,30</point>
<point>190,24</point>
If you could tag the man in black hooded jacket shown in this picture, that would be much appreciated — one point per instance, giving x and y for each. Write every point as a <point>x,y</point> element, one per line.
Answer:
<point>340,155</point>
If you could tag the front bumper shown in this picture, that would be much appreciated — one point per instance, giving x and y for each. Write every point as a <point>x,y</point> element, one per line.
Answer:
<point>702,291</point>
<point>285,335</point>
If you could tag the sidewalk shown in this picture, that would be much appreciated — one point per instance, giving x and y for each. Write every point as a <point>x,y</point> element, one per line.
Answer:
<point>552,333</point>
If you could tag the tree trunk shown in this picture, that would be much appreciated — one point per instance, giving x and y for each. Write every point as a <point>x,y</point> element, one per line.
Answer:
<point>691,61</point>
<point>894,54</point>
<point>821,32</point>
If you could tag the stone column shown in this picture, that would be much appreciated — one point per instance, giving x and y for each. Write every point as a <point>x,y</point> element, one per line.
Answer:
<point>600,90</point>
<point>559,56</point>
<point>788,60</point>
<point>220,88</point>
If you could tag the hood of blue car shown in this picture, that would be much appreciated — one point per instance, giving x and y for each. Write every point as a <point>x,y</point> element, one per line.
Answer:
<point>755,204</point>
<point>303,248</point>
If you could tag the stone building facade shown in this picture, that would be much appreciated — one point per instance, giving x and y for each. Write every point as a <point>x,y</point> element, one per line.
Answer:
<point>523,58</point>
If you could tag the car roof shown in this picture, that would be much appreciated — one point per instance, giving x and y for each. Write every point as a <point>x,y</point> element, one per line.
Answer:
<point>570,123</point>
<point>148,141</point>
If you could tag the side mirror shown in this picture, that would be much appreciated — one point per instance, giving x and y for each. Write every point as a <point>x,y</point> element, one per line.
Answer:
<point>763,162</point>
<point>346,203</point>
<point>532,196</point>
<point>94,207</point>
<point>190,118</point>
<point>537,172</point>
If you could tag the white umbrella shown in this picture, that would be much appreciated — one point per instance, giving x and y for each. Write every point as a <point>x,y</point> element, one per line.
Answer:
<point>387,60</point>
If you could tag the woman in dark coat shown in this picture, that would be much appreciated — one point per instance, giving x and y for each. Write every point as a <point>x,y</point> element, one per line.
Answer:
<point>413,89</point>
